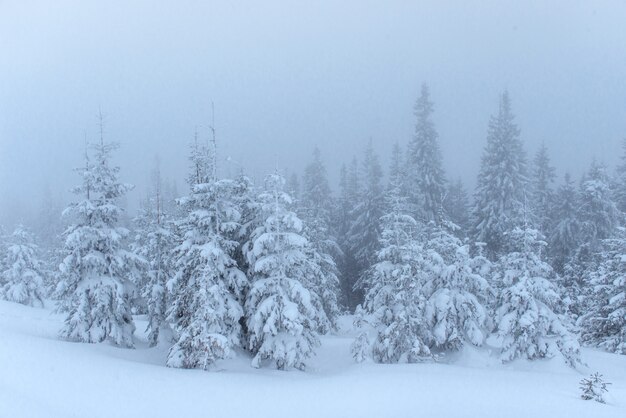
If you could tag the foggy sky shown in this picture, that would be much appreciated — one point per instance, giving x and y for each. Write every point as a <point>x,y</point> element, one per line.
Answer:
<point>286,76</point>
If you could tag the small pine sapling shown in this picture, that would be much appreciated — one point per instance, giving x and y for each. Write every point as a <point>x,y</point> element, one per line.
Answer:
<point>594,387</point>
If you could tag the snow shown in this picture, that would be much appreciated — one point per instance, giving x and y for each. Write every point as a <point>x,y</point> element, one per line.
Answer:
<point>42,376</point>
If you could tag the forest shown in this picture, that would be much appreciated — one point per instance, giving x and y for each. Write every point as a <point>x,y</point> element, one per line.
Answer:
<point>531,265</point>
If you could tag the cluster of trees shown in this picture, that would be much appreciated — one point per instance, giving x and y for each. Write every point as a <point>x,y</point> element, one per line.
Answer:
<point>522,266</point>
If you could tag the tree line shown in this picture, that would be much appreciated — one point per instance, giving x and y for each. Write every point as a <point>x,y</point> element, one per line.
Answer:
<point>528,268</point>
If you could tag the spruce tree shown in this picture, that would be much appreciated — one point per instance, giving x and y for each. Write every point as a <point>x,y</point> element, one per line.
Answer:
<point>95,274</point>
<point>604,321</point>
<point>598,213</point>
<point>280,316</point>
<point>501,193</point>
<point>154,242</point>
<point>350,190</point>
<point>620,181</point>
<point>565,228</point>
<point>364,232</point>
<point>456,295</point>
<point>528,317</point>
<point>323,248</point>
<point>394,301</point>
<point>457,207</point>
<point>208,286</point>
<point>425,174</point>
<point>22,277</point>
<point>542,194</point>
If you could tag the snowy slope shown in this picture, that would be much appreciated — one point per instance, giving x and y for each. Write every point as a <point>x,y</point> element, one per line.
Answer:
<point>41,376</point>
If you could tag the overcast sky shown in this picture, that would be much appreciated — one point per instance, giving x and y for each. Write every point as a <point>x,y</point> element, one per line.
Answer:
<point>285,76</point>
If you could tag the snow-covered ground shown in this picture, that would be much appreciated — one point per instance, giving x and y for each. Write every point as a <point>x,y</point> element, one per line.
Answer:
<point>42,376</point>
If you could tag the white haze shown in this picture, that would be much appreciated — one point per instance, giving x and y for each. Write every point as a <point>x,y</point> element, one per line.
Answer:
<point>286,76</point>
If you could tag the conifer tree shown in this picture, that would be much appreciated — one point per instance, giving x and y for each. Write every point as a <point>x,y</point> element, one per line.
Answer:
<point>208,286</point>
<point>280,316</point>
<point>364,231</point>
<point>528,315</point>
<point>620,181</point>
<point>293,186</point>
<point>154,242</point>
<point>22,277</point>
<point>457,207</point>
<point>565,229</point>
<point>425,173</point>
<point>598,213</point>
<point>350,190</point>
<point>95,274</point>
<point>598,219</point>
<point>394,301</point>
<point>542,194</point>
<point>457,295</point>
<point>396,170</point>
<point>323,248</point>
<point>502,183</point>
<point>604,320</point>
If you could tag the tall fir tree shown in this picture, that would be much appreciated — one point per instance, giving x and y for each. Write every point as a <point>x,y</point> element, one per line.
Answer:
<point>155,242</point>
<point>350,190</point>
<point>501,193</point>
<point>364,232</point>
<point>323,248</point>
<point>280,316</point>
<point>208,287</point>
<point>457,207</point>
<point>293,187</point>
<point>543,175</point>
<point>565,229</point>
<point>425,174</point>
<point>394,301</point>
<point>95,274</point>
<point>620,181</point>
<point>598,213</point>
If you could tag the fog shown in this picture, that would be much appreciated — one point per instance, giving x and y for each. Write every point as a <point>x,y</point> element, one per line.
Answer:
<point>285,77</point>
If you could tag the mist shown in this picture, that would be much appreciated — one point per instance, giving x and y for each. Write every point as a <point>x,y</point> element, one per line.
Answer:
<point>284,78</point>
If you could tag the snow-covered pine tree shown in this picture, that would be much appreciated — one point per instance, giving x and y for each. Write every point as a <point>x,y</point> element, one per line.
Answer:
<point>280,316</point>
<point>293,187</point>
<point>48,226</point>
<point>457,207</point>
<point>364,233</point>
<point>394,301</point>
<point>154,242</point>
<point>565,229</point>
<point>620,181</point>
<point>350,190</point>
<point>598,219</point>
<point>542,179</point>
<point>598,213</point>
<point>396,169</point>
<point>95,287</point>
<point>528,320</point>
<point>323,249</point>
<point>424,171</point>
<point>456,295</point>
<point>245,200</point>
<point>3,251</point>
<point>208,286</point>
<point>22,278</point>
<point>500,194</point>
<point>604,320</point>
